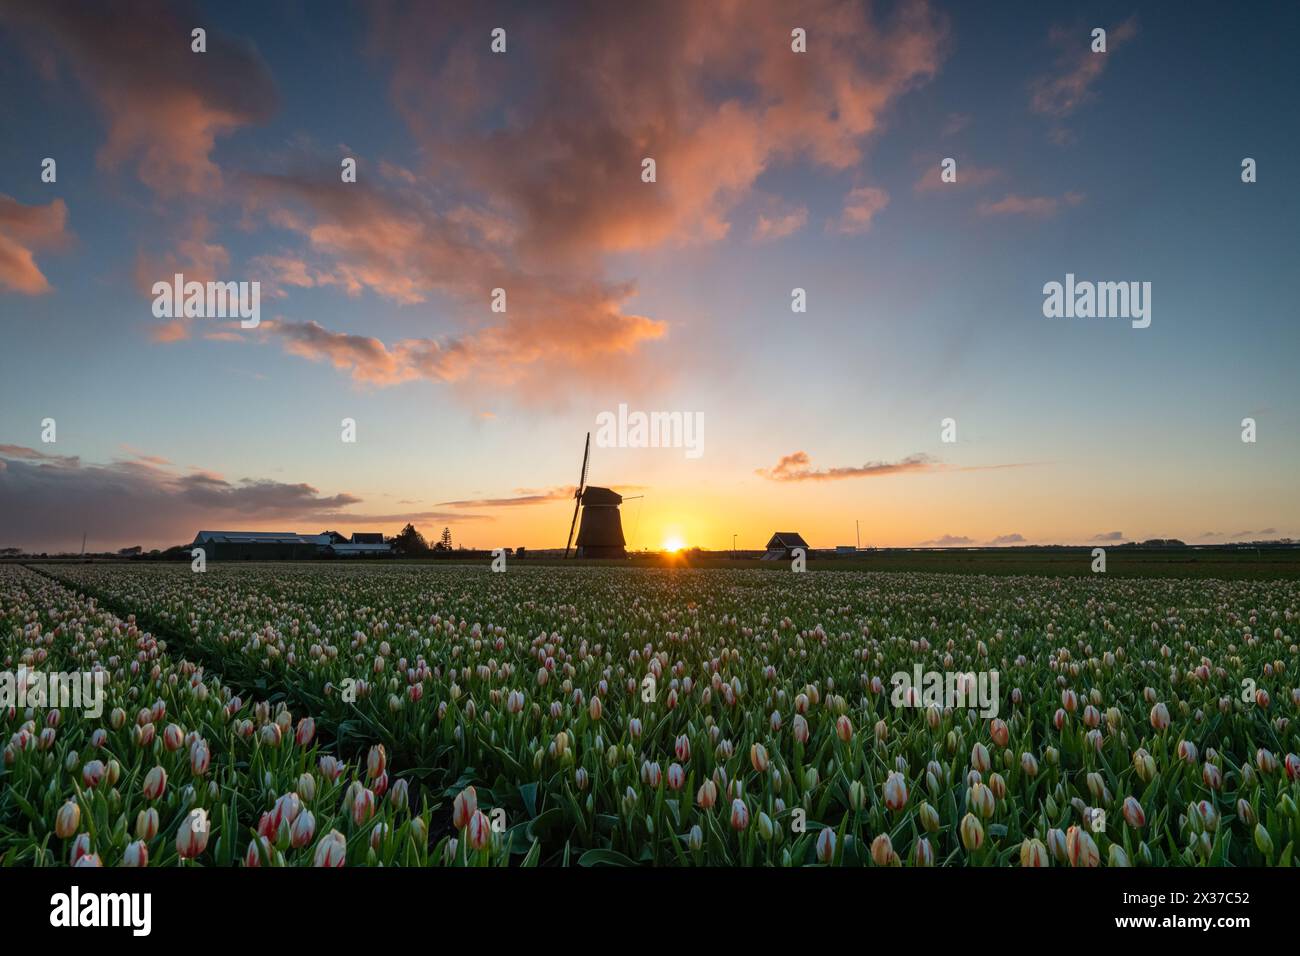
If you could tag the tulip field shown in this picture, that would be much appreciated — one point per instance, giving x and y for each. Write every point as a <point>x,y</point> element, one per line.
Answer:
<point>402,715</point>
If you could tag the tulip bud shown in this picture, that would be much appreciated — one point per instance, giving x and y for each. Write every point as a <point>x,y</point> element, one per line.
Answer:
<point>895,791</point>
<point>464,807</point>
<point>695,839</point>
<point>826,845</point>
<point>192,837</point>
<point>155,783</point>
<point>929,818</point>
<point>67,820</point>
<point>331,851</point>
<point>146,824</point>
<point>479,830</point>
<point>1263,841</point>
<point>1134,816</point>
<point>972,832</point>
<point>882,851</point>
<point>136,854</point>
<point>1033,853</point>
<point>739,815</point>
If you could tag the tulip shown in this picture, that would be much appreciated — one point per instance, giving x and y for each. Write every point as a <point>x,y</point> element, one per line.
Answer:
<point>136,854</point>
<point>1292,766</point>
<point>758,758</point>
<point>363,806</point>
<point>1033,853</point>
<point>800,729</point>
<point>192,837</point>
<point>478,831</point>
<point>1133,813</point>
<point>1160,716</point>
<point>972,832</point>
<point>67,819</point>
<point>682,747</point>
<point>695,839</point>
<point>739,815</point>
<point>882,851</point>
<point>922,853</point>
<point>1212,776</point>
<point>895,791</point>
<point>92,773</point>
<point>1245,813</point>
<point>305,733</point>
<point>302,830</point>
<point>1029,764</point>
<point>376,761</point>
<point>707,795</point>
<point>155,783</point>
<point>173,737</point>
<point>980,800</point>
<point>200,757</point>
<point>676,777</point>
<point>258,847</point>
<point>999,733</point>
<point>1117,856</point>
<point>844,728</point>
<point>464,807</point>
<point>979,758</point>
<point>826,845</point>
<point>1080,848</point>
<point>331,851</point>
<point>146,824</point>
<point>1263,841</point>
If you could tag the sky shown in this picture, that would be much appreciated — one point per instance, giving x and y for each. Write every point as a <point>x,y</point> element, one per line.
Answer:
<point>775,169</point>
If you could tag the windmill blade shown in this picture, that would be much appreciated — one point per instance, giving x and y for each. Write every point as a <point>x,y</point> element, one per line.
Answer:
<point>577,503</point>
<point>586,454</point>
<point>577,494</point>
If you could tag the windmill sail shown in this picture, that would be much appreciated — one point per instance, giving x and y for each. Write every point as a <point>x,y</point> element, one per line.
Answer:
<point>577,494</point>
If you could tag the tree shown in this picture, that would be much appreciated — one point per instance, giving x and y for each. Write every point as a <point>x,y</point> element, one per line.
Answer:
<point>446,539</point>
<point>409,541</point>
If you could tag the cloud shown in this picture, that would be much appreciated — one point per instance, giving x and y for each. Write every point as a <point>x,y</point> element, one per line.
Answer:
<point>524,497</point>
<point>1109,536</point>
<point>779,221</point>
<point>1058,94</point>
<point>797,467</point>
<point>712,92</point>
<point>860,207</point>
<point>969,176</point>
<point>1014,538</point>
<point>48,501</point>
<point>1039,206</point>
<point>164,105</point>
<point>947,541</point>
<point>23,230</point>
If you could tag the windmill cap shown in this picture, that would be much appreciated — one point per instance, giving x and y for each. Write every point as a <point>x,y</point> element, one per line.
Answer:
<point>593,495</point>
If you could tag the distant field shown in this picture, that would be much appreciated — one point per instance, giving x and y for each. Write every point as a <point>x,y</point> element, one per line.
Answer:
<point>1230,564</point>
<point>1263,564</point>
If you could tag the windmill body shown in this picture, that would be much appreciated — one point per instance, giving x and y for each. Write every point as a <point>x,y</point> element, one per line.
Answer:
<point>600,535</point>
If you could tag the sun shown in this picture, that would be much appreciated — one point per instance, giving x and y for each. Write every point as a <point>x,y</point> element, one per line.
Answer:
<point>673,544</point>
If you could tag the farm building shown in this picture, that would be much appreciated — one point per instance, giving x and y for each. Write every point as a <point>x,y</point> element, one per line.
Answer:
<point>782,545</point>
<point>260,545</point>
<point>287,545</point>
<point>364,544</point>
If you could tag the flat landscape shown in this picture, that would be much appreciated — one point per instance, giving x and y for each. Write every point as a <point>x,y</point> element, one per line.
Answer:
<point>440,714</point>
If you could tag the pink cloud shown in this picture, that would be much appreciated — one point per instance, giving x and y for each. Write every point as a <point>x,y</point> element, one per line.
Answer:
<point>1038,206</point>
<point>24,229</point>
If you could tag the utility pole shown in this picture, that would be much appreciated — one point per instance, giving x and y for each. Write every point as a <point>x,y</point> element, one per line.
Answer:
<point>733,547</point>
<point>83,544</point>
<point>858,525</point>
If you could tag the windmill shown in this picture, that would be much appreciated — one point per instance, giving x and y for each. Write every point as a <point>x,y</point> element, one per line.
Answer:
<point>600,533</point>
